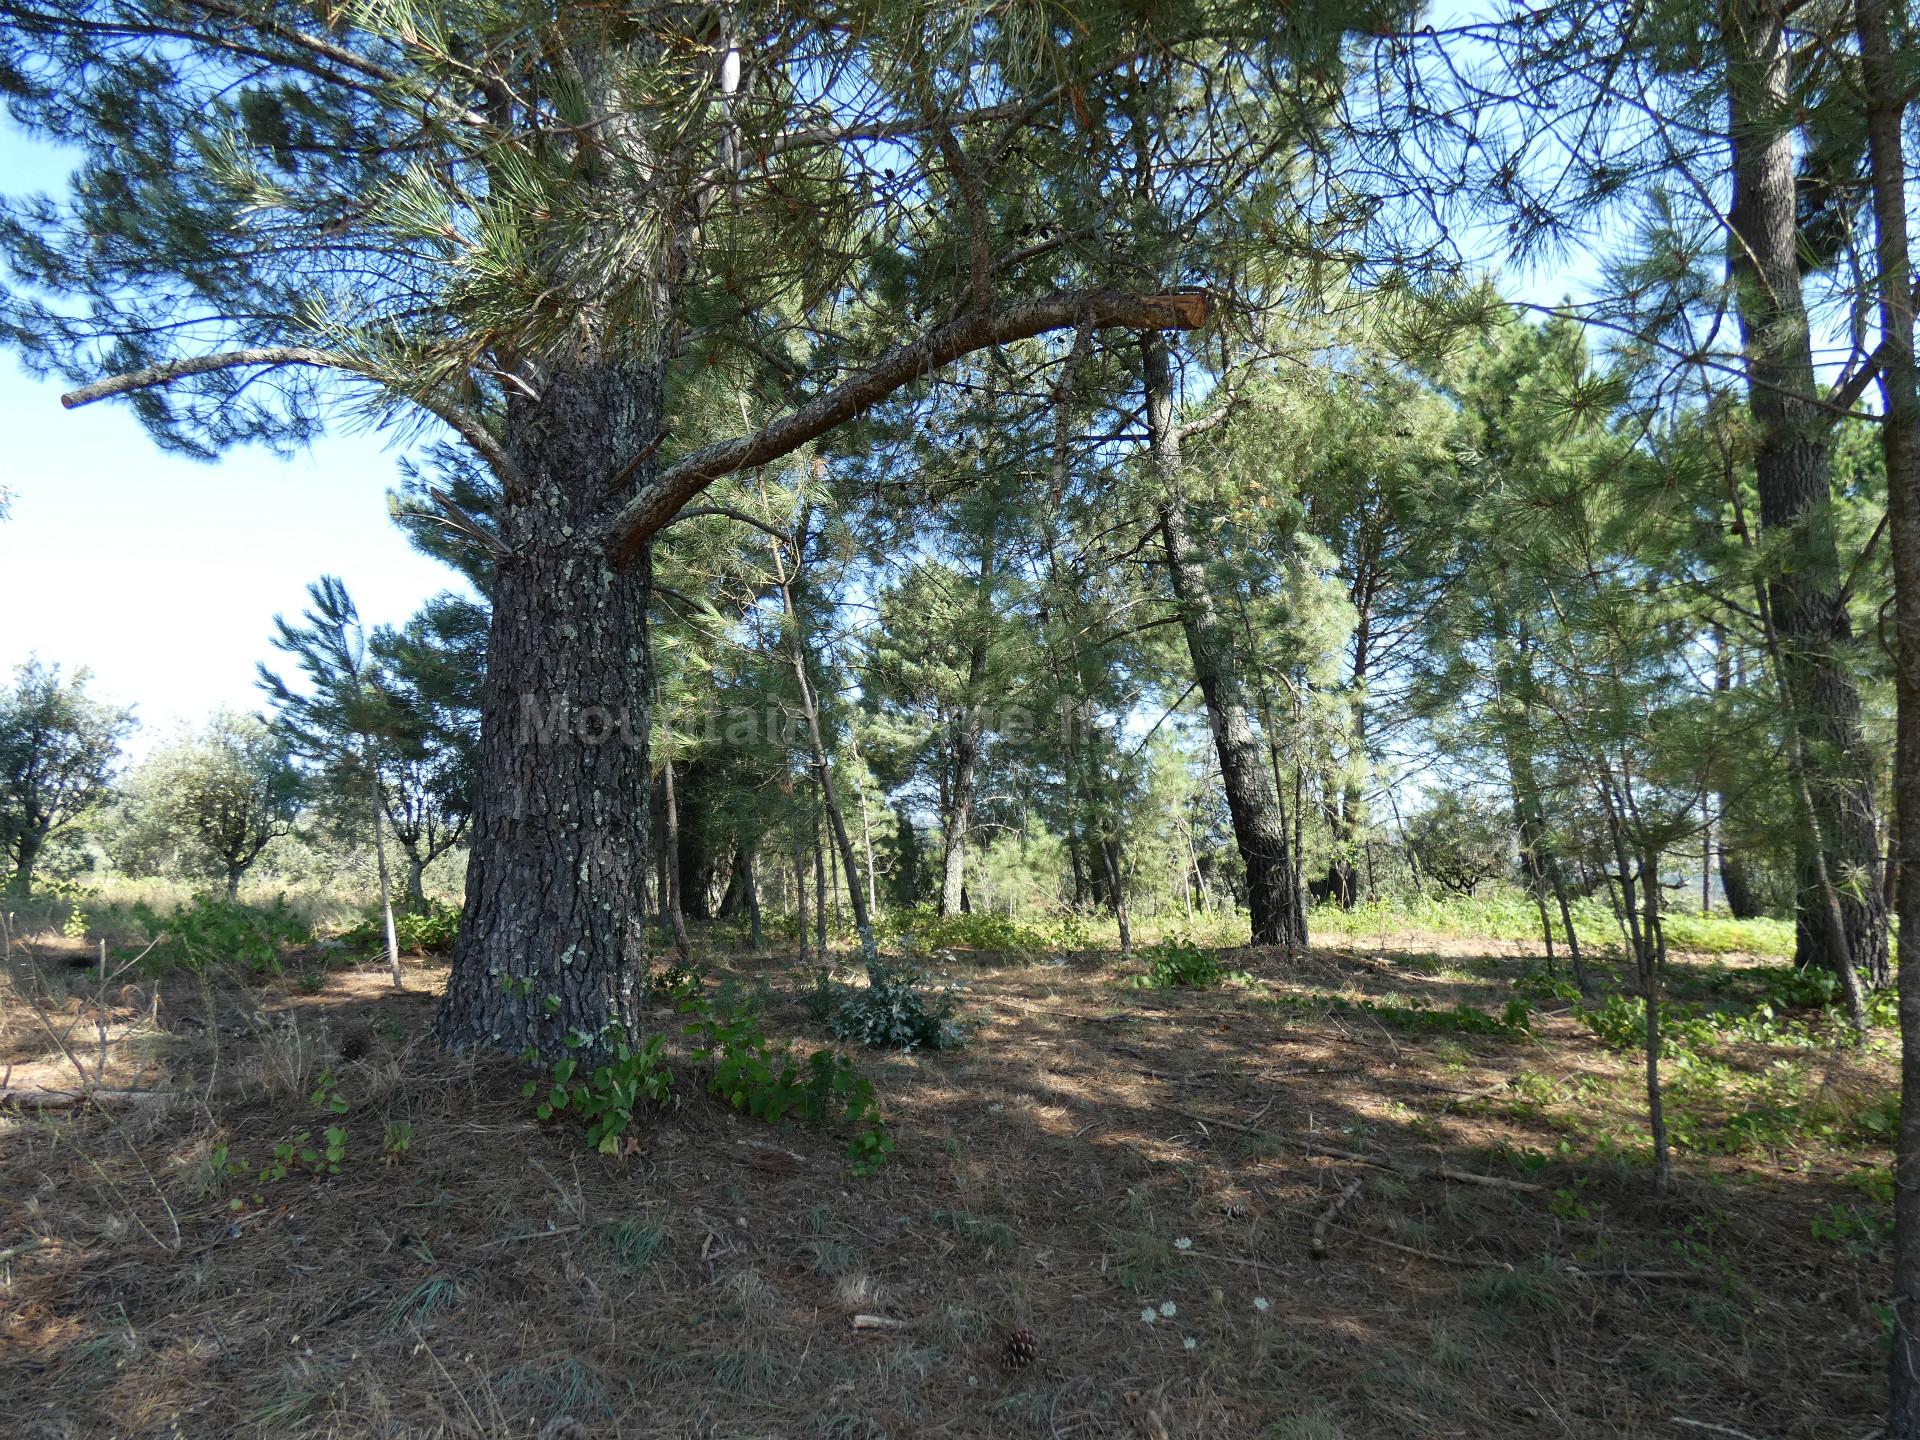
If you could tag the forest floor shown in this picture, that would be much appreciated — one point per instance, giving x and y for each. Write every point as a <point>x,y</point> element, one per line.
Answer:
<point>1345,1195</point>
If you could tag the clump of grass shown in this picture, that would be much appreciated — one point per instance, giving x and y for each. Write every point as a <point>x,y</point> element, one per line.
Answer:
<point>750,1370</point>
<point>636,1244</point>
<point>432,1299</point>
<point>993,1236</point>
<point>751,1297</point>
<point>830,1258</point>
<point>1515,1297</point>
<point>858,1291</point>
<point>1144,1257</point>
<point>555,1387</point>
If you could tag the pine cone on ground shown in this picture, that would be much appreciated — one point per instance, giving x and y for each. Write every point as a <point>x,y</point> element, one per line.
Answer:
<point>1021,1349</point>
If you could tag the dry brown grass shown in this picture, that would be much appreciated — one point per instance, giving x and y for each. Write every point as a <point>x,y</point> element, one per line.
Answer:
<point>1072,1168</point>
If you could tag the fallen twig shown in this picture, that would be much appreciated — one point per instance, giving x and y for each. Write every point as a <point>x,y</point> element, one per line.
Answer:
<point>1318,1244</point>
<point>1401,1167</point>
<point>22,1248</point>
<point>530,1235</point>
<point>28,1098</point>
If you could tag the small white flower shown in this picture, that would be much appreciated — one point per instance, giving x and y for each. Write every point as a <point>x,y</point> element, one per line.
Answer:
<point>1183,1243</point>
<point>1190,1342</point>
<point>1148,1315</point>
<point>1260,1303</point>
<point>1169,1309</point>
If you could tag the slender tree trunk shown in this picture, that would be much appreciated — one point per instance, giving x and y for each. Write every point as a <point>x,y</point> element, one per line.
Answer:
<point>233,885</point>
<point>676,914</point>
<point>1273,882</point>
<point>754,936</point>
<point>1791,465</point>
<point>800,900</point>
<point>1116,887</point>
<point>819,891</point>
<point>1566,919</point>
<point>1706,857</point>
<point>966,745</point>
<point>386,889</point>
<point>1638,917</point>
<point>866,844</point>
<point>797,654</point>
<point>560,829</point>
<point>1900,442</point>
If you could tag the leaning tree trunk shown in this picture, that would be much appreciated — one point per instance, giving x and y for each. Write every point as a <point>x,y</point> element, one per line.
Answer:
<point>1900,442</point>
<point>1791,464</point>
<point>1273,881</point>
<point>559,842</point>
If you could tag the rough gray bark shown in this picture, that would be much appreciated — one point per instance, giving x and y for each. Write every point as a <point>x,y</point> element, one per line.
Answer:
<point>1900,442</point>
<point>1273,883</point>
<point>560,833</point>
<point>1791,464</point>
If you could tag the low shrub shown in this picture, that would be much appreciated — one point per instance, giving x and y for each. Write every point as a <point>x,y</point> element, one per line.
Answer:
<point>211,929</point>
<point>893,1012</point>
<point>758,1077</point>
<point>417,932</point>
<point>923,927</point>
<point>1178,963</point>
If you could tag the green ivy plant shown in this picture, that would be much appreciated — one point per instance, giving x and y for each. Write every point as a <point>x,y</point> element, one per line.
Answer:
<point>604,1097</point>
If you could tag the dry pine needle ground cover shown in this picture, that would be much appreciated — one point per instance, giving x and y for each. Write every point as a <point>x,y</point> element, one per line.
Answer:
<point>1168,1190</point>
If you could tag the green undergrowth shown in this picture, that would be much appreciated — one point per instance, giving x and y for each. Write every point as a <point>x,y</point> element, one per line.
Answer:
<point>1514,1021</point>
<point>210,930</point>
<point>605,1082</point>
<point>418,932</point>
<point>1508,913</point>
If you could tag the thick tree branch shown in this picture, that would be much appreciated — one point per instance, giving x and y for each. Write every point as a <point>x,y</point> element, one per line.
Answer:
<point>728,512</point>
<point>686,477</point>
<point>457,419</point>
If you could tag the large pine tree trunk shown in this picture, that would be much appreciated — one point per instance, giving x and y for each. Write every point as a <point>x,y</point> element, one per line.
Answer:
<point>1273,882</point>
<point>1791,465</point>
<point>559,843</point>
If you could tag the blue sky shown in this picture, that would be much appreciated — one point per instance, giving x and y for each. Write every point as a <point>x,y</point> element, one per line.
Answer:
<point>163,574</point>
